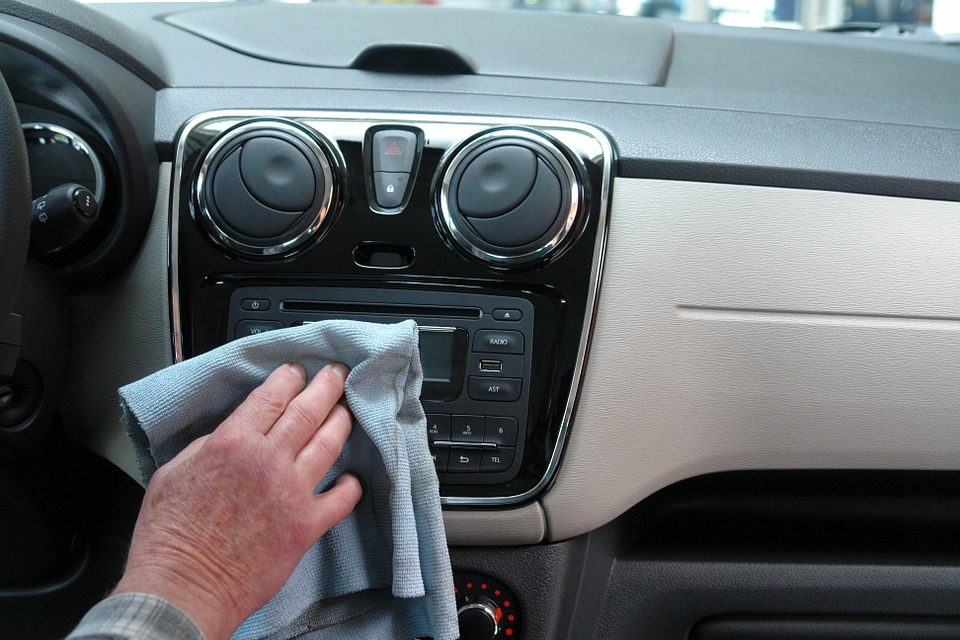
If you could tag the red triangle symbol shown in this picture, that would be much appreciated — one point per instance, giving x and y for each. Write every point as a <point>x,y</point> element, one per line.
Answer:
<point>394,150</point>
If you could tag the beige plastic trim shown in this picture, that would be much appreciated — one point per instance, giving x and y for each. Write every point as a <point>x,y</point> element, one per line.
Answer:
<point>757,328</point>
<point>120,333</point>
<point>523,525</point>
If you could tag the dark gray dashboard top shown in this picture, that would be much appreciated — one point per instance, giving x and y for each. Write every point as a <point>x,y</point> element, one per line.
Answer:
<point>521,44</point>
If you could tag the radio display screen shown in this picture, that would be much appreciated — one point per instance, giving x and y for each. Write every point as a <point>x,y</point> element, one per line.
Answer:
<point>436,355</point>
<point>443,358</point>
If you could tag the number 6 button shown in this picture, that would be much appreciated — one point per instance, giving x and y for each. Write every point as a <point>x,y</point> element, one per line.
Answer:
<point>501,431</point>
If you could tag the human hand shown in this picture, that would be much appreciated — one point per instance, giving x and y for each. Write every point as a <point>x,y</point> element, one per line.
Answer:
<point>224,524</point>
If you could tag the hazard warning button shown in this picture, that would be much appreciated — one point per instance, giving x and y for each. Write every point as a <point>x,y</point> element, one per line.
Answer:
<point>394,150</point>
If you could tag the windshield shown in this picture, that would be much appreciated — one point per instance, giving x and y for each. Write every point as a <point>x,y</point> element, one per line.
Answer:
<point>862,16</point>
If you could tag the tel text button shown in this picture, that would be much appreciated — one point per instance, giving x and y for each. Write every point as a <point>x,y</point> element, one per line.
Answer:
<point>498,459</point>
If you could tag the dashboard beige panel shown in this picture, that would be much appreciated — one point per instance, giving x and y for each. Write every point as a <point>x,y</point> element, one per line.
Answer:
<point>523,525</point>
<point>125,331</point>
<point>758,328</point>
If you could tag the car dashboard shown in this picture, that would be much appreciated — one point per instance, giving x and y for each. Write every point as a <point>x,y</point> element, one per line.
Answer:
<point>687,294</point>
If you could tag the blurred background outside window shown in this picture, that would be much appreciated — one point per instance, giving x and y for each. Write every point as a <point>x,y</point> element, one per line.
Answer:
<point>856,16</point>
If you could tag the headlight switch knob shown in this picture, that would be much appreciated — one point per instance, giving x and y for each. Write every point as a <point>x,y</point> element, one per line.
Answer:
<point>60,218</point>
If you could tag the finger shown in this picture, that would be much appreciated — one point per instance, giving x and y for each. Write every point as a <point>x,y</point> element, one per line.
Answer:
<point>337,503</point>
<point>324,447</point>
<point>305,413</point>
<point>266,403</point>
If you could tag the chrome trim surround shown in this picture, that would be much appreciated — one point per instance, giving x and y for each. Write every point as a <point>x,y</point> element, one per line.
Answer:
<point>455,157</point>
<point>464,445</point>
<point>81,145</point>
<point>449,130</point>
<point>323,152</point>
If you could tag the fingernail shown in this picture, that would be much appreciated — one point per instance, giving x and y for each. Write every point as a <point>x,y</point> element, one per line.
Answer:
<point>344,477</point>
<point>298,370</point>
<point>341,370</point>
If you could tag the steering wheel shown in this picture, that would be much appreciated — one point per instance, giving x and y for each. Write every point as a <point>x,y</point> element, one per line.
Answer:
<point>14,217</point>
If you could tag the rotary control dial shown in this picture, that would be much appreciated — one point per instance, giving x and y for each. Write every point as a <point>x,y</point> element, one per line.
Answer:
<point>479,618</point>
<point>486,607</point>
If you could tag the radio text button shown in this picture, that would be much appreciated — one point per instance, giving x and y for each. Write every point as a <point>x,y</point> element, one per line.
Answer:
<point>463,460</point>
<point>467,429</point>
<point>495,389</point>
<point>488,341</point>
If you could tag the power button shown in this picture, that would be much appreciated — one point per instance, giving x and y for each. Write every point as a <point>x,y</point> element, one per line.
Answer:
<point>255,304</point>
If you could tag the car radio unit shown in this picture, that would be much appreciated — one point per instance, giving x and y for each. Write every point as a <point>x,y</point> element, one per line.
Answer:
<point>475,357</point>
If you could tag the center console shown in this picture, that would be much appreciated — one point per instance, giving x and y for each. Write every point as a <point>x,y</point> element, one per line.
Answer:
<point>489,233</point>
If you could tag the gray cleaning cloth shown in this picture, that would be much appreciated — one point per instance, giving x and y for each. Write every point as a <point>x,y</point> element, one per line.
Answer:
<point>384,571</point>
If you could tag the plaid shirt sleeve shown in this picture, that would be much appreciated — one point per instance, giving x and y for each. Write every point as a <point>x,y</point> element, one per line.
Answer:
<point>136,616</point>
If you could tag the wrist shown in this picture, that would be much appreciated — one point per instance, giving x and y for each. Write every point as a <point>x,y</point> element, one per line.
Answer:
<point>215,619</point>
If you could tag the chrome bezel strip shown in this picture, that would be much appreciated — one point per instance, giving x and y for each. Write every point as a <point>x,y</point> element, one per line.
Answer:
<point>361,120</point>
<point>455,157</point>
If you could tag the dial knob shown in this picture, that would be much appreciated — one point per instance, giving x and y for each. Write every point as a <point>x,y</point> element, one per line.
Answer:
<point>479,619</point>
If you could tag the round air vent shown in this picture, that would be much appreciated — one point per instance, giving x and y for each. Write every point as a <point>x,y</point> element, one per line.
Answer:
<point>510,197</point>
<point>267,187</point>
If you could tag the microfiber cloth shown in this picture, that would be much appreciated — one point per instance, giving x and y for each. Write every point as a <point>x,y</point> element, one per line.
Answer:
<point>384,571</point>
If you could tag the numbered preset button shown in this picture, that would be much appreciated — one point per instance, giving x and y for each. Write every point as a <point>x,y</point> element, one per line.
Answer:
<point>438,427</point>
<point>501,431</point>
<point>466,428</point>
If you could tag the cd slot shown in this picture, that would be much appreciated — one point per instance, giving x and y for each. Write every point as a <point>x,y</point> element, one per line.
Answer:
<point>367,308</point>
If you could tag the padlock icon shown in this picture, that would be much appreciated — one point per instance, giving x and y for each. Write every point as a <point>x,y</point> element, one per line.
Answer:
<point>390,188</point>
